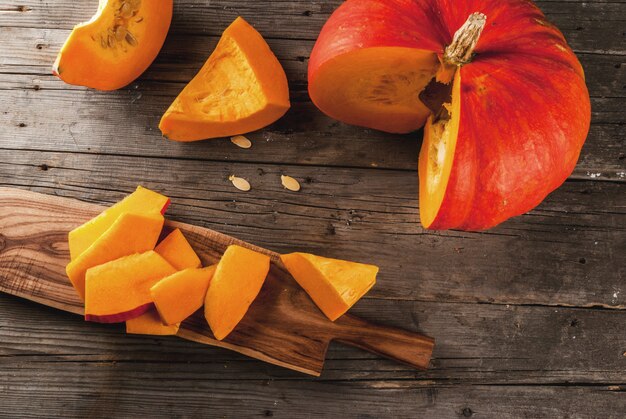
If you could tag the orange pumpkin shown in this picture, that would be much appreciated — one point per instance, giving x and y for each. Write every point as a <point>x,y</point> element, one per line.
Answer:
<point>237,280</point>
<point>130,233</point>
<point>334,285</point>
<point>178,252</point>
<point>150,323</point>
<point>119,290</point>
<point>510,107</point>
<point>241,88</point>
<point>116,45</point>
<point>142,201</point>
<point>180,295</point>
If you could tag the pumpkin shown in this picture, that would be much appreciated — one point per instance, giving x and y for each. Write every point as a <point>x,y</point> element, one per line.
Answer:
<point>119,290</point>
<point>178,252</point>
<point>241,88</point>
<point>180,295</point>
<point>116,45</point>
<point>237,281</point>
<point>334,285</point>
<point>150,323</point>
<point>504,98</point>
<point>142,201</point>
<point>130,233</point>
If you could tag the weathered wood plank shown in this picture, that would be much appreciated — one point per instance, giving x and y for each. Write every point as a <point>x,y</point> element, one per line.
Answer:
<point>478,344</point>
<point>85,121</point>
<point>566,252</point>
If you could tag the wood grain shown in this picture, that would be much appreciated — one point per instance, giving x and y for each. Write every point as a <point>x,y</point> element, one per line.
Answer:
<point>283,326</point>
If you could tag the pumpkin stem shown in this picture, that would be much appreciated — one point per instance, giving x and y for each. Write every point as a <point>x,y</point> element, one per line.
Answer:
<point>460,51</point>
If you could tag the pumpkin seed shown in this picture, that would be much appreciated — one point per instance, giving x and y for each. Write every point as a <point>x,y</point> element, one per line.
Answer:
<point>241,141</point>
<point>290,183</point>
<point>120,32</point>
<point>103,42</point>
<point>126,10</point>
<point>131,39</point>
<point>135,4</point>
<point>240,183</point>
<point>110,40</point>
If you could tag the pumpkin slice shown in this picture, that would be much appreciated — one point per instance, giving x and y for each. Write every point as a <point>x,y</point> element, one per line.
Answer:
<point>142,201</point>
<point>150,323</point>
<point>241,88</point>
<point>178,252</point>
<point>130,233</point>
<point>180,295</point>
<point>120,290</point>
<point>116,45</point>
<point>334,285</point>
<point>237,281</point>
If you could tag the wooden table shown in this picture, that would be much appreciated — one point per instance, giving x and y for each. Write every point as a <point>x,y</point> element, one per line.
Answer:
<point>530,318</point>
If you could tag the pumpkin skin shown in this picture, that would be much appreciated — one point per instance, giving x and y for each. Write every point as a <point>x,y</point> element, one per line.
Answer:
<point>116,45</point>
<point>522,107</point>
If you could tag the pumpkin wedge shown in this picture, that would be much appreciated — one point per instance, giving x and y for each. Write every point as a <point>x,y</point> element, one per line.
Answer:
<point>241,88</point>
<point>237,280</point>
<point>116,45</point>
<point>150,323</point>
<point>180,295</point>
<point>130,233</point>
<point>178,252</point>
<point>142,201</point>
<point>334,285</point>
<point>120,290</point>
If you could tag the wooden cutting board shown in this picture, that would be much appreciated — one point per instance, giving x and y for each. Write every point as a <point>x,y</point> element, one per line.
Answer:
<point>283,325</point>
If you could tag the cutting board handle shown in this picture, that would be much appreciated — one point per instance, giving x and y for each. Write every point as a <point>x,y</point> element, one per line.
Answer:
<point>400,345</point>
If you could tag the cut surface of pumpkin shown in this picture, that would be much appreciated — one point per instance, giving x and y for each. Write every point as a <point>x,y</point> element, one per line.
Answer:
<point>142,201</point>
<point>129,234</point>
<point>241,88</point>
<point>116,45</point>
<point>120,290</point>
<point>237,280</point>
<point>178,252</point>
<point>180,295</point>
<point>334,285</point>
<point>150,323</point>
<point>437,156</point>
<point>376,88</point>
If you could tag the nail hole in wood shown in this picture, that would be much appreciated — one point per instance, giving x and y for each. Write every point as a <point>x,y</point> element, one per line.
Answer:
<point>582,261</point>
<point>467,412</point>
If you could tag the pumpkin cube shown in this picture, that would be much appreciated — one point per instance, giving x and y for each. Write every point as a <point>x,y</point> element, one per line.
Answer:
<point>180,295</point>
<point>178,252</point>
<point>130,233</point>
<point>150,323</point>
<point>142,201</point>
<point>334,285</point>
<point>237,281</point>
<point>120,290</point>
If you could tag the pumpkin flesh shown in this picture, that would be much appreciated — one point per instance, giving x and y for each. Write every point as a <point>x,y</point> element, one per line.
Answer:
<point>241,88</point>
<point>150,323</point>
<point>116,45</point>
<point>237,281</point>
<point>142,201</point>
<point>119,290</point>
<point>130,233</point>
<point>178,252</point>
<point>180,295</point>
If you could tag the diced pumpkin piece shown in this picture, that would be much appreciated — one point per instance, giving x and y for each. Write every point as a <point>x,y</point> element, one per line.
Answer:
<point>130,233</point>
<point>142,201</point>
<point>180,295</point>
<point>334,285</point>
<point>236,282</point>
<point>150,323</point>
<point>241,88</point>
<point>120,290</point>
<point>178,252</point>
